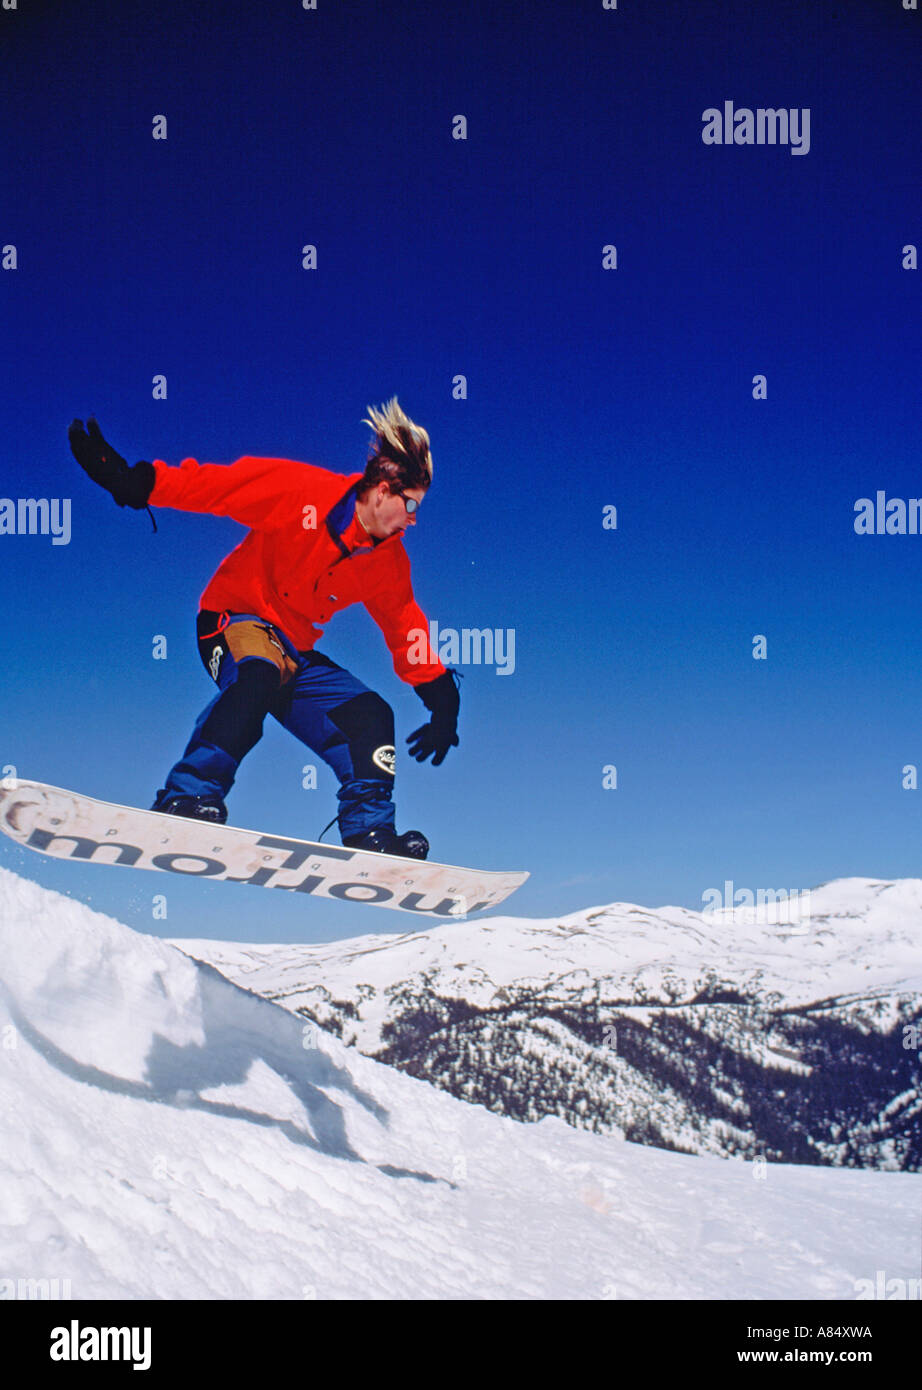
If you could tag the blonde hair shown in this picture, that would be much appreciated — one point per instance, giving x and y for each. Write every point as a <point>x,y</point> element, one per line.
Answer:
<point>399,452</point>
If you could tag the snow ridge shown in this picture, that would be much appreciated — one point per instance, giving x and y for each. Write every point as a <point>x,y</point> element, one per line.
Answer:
<point>169,1134</point>
<point>776,1031</point>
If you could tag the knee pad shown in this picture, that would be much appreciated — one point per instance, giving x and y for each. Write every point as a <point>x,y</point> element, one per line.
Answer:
<point>367,721</point>
<point>235,723</point>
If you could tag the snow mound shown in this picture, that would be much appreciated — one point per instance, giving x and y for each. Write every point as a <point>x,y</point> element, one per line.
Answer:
<point>171,1135</point>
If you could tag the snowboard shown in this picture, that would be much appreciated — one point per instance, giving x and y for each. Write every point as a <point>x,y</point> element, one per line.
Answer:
<point>68,825</point>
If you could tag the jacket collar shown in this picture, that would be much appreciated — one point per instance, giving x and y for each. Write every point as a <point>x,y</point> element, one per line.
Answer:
<point>341,516</point>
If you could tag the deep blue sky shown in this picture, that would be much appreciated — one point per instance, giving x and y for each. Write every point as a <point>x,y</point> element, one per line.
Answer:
<point>586,387</point>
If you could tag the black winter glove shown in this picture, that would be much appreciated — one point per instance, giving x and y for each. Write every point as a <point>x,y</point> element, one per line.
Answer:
<point>130,485</point>
<point>441,733</point>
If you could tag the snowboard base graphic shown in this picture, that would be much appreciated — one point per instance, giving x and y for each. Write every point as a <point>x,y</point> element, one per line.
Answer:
<point>68,825</point>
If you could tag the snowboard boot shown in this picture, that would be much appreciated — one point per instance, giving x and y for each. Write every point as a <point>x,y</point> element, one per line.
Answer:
<point>210,808</point>
<point>412,844</point>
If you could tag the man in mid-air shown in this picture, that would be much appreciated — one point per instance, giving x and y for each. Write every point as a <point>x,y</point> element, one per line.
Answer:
<point>318,541</point>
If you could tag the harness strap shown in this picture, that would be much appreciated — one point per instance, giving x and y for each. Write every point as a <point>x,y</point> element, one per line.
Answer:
<point>222,624</point>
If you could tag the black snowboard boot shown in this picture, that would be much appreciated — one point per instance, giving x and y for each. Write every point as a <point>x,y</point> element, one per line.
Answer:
<point>210,808</point>
<point>412,844</point>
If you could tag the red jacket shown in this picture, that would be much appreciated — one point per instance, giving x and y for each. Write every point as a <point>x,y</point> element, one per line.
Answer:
<point>298,566</point>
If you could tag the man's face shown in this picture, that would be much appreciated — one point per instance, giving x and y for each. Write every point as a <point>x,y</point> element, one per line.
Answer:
<point>387,514</point>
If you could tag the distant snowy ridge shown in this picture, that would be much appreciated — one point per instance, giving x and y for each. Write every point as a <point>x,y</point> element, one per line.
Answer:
<point>775,1031</point>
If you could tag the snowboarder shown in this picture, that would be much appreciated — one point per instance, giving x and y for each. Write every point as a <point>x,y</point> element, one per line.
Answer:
<point>318,541</point>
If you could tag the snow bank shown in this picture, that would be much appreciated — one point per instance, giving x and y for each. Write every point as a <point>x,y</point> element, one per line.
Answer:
<point>170,1135</point>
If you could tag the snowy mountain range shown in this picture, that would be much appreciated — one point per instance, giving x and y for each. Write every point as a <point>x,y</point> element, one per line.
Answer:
<point>783,1030</point>
<point>168,1134</point>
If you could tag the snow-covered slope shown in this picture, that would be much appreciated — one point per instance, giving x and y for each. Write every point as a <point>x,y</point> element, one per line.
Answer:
<point>776,1031</point>
<point>170,1135</point>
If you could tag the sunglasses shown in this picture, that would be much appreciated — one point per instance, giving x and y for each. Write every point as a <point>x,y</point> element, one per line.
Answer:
<point>410,503</point>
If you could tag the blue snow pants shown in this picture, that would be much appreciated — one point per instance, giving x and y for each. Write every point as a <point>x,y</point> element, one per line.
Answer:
<point>258,672</point>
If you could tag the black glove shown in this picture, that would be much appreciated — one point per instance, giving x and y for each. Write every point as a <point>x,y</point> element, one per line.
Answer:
<point>130,485</point>
<point>441,733</point>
